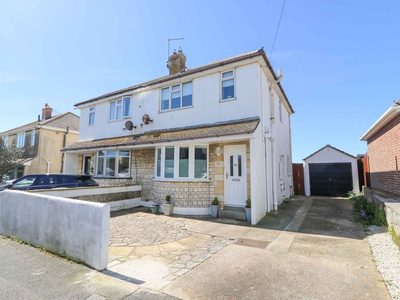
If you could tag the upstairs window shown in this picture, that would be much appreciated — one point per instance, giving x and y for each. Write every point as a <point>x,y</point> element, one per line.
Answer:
<point>5,140</point>
<point>33,137</point>
<point>91,115</point>
<point>227,85</point>
<point>177,96</point>
<point>21,140</point>
<point>120,108</point>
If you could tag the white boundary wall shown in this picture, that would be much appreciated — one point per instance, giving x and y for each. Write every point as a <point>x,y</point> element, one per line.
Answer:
<point>74,228</point>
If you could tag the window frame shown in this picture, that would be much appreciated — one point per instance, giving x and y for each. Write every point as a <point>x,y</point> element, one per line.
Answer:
<point>222,80</point>
<point>92,112</point>
<point>107,154</point>
<point>21,140</point>
<point>170,90</point>
<point>33,138</point>
<point>113,113</point>
<point>160,154</point>
<point>5,141</point>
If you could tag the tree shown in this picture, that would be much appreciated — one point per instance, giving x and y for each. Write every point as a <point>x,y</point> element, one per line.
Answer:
<point>8,158</point>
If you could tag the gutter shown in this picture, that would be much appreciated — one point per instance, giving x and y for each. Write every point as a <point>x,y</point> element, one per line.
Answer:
<point>389,115</point>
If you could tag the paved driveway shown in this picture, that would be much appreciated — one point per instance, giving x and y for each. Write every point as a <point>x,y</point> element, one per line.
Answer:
<point>309,249</point>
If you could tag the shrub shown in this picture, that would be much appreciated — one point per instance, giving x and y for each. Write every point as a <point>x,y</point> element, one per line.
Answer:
<point>367,213</point>
<point>215,201</point>
<point>248,203</point>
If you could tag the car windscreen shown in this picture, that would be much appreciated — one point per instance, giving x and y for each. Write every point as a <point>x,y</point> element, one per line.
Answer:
<point>25,181</point>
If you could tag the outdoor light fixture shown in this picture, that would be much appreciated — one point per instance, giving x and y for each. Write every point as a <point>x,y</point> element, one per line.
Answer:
<point>218,151</point>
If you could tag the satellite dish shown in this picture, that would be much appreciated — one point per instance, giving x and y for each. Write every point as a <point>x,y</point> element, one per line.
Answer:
<point>129,125</point>
<point>146,120</point>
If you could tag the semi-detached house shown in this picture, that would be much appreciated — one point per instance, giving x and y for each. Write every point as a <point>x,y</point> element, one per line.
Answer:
<point>220,130</point>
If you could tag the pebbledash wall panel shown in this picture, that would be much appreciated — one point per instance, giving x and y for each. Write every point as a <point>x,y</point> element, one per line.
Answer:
<point>384,157</point>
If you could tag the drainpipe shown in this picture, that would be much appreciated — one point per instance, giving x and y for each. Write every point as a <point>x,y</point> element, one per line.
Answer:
<point>272,119</point>
<point>63,146</point>
<point>274,173</point>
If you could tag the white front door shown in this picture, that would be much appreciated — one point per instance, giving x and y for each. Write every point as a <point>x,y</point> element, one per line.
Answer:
<point>235,178</point>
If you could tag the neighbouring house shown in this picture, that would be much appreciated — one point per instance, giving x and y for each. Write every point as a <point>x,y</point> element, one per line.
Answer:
<point>40,142</point>
<point>382,163</point>
<point>220,130</point>
<point>331,172</point>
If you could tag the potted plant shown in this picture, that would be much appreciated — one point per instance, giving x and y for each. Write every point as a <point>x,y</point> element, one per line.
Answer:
<point>168,206</point>
<point>154,208</point>
<point>248,209</point>
<point>214,208</point>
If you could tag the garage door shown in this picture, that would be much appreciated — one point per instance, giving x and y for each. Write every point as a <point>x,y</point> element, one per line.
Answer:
<point>330,179</point>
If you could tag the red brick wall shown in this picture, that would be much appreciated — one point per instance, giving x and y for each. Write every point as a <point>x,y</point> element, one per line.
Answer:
<point>384,157</point>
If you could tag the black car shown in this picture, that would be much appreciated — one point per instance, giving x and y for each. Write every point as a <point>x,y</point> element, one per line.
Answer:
<point>50,181</point>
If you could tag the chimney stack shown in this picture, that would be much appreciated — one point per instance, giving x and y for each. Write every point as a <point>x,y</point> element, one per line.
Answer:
<point>176,62</point>
<point>46,112</point>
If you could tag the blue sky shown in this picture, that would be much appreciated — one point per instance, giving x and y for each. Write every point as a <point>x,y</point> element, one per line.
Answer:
<point>339,59</point>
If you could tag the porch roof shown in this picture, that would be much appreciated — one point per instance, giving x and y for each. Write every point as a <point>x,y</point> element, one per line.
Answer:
<point>228,128</point>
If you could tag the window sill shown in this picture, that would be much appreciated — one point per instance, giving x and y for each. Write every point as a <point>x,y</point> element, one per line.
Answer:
<point>227,100</point>
<point>181,180</point>
<point>118,120</point>
<point>174,109</point>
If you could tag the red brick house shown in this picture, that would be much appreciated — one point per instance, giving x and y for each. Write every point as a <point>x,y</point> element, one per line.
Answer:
<point>383,139</point>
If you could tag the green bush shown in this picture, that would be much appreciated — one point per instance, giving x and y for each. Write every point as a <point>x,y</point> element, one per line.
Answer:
<point>215,201</point>
<point>368,213</point>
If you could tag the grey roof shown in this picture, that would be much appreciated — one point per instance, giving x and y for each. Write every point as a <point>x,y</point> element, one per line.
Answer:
<point>215,64</point>
<point>61,121</point>
<point>229,128</point>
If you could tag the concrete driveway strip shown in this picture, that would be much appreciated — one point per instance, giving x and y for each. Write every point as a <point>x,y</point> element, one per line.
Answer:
<point>305,261</point>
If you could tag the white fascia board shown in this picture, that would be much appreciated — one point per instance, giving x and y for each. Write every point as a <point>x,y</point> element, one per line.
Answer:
<point>392,112</point>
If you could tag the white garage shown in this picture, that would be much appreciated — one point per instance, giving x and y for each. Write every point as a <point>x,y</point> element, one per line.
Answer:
<point>330,172</point>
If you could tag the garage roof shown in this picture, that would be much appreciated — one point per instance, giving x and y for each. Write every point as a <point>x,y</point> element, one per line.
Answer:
<point>329,146</point>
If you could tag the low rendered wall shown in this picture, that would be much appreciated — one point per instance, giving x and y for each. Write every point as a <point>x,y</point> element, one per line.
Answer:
<point>73,228</point>
<point>391,203</point>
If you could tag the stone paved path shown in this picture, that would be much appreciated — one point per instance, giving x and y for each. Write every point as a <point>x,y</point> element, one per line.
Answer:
<point>152,250</point>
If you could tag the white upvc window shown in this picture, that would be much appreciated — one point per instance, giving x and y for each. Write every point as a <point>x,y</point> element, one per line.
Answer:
<point>120,108</point>
<point>21,140</point>
<point>33,137</point>
<point>5,140</point>
<point>92,113</point>
<point>183,162</point>
<point>113,163</point>
<point>176,96</point>
<point>227,85</point>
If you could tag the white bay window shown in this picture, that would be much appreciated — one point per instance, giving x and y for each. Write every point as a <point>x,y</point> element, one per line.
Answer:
<point>182,162</point>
